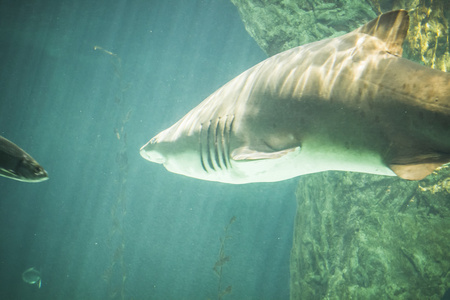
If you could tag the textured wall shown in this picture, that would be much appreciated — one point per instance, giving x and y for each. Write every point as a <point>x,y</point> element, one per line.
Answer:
<point>278,25</point>
<point>360,236</point>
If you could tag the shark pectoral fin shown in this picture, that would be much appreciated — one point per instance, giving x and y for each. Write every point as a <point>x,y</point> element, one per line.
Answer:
<point>415,171</point>
<point>245,153</point>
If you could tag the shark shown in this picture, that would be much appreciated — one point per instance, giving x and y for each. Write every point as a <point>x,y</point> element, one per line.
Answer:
<point>349,103</point>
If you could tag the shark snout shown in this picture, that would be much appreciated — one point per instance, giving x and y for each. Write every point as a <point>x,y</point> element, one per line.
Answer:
<point>150,153</point>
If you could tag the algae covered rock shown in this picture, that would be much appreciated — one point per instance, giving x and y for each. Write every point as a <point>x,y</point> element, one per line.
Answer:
<point>360,236</point>
<point>428,35</point>
<point>428,39</point>
<point>278,25</point>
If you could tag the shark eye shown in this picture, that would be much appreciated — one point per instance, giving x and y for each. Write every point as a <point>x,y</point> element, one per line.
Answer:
<point>38,170</point>
<point>153,141</point>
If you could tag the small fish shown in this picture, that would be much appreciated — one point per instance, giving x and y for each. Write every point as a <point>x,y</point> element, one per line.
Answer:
<point>32,276</point>
<point>19,165</point>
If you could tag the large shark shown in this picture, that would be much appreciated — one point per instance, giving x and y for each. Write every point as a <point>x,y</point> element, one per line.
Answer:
<point>349,103</point>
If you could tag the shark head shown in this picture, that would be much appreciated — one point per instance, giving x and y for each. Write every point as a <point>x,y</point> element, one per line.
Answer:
<point>154,151</point>
<point>176,149</point>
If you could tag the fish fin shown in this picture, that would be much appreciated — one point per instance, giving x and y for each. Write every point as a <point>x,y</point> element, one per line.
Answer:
<point>414,171</point>
<point>390,27</point>
<point>245,153</point>
<point>39,286</point>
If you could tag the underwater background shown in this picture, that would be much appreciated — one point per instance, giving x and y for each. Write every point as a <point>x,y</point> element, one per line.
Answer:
<point>83,85</point>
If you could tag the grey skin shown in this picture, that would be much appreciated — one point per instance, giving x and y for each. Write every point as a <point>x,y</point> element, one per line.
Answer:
<point>350,103</point>
<point>19,165</point>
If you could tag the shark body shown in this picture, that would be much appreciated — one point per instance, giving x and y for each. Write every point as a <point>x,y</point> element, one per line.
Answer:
<point>349,103</point>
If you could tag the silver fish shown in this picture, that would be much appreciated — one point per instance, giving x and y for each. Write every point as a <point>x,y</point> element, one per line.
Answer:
<point>19,165</point>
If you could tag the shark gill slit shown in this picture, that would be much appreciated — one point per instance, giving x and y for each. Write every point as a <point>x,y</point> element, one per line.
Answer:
<point>208,147</point>
<point>216,146</point>
<point>228,139</point>
<point>224,142</point>
<point>202,159</point>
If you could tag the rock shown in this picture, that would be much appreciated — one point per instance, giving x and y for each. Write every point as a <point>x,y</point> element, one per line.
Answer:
<point>360,236</point>
<point>280,25</point>
<point>428,35</point>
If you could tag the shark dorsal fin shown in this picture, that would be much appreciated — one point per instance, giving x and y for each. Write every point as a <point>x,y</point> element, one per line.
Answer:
<point>390,27</point>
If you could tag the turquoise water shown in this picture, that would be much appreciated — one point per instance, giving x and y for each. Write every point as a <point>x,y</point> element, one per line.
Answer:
<point>83,85</point>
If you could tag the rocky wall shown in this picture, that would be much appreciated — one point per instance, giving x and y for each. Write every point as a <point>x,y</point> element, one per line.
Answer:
<point>278,25</point>
<point>360,236</point>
